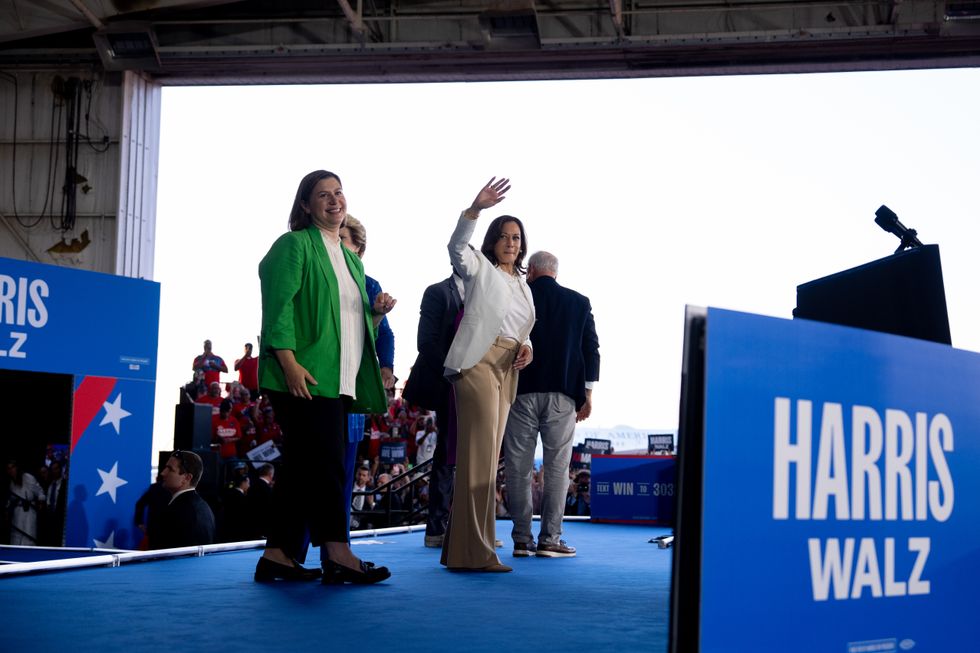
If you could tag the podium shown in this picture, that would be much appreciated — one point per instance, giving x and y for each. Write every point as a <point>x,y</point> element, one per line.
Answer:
<point>901,294</point>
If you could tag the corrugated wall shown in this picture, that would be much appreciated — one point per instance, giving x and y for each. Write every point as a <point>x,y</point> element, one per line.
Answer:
<point>37,136</point>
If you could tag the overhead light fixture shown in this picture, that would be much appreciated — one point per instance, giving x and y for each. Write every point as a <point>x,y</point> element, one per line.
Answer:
<point>511,25</point>
<point>128,46</point>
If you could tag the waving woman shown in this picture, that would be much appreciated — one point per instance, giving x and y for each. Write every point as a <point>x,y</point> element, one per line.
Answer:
<point>490,347</point>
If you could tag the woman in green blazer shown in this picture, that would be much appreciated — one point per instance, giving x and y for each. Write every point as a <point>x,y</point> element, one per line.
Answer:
<point>316,364</point>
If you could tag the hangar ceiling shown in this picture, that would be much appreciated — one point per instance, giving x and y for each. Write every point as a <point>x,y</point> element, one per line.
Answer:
<point>290,41</point>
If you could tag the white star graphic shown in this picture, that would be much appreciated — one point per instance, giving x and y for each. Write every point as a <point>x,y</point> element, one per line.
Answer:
<point>109,542</point>
<point>110,481</point>
<point>114,413</point>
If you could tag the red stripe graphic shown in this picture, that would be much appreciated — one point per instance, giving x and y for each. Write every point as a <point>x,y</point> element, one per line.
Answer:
<point>92,392</point>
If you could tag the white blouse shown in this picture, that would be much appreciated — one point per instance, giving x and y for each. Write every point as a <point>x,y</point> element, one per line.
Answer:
<point>351,318</point>
<point>519,318</point>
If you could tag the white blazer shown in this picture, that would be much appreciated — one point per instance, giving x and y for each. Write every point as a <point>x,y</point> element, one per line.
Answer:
<point>487,299</point>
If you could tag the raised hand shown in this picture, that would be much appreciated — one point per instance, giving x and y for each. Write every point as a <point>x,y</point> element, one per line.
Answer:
<point>491,194</point>
<point>383,304</point>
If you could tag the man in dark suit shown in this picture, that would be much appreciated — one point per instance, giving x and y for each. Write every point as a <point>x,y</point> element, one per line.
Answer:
<point>234,522</point>
<point>553,393</point>
<point>427,388</point>
<point>53,523</point>
<point>187,520</point>
<point>148,515</point>
<point>260,501</point>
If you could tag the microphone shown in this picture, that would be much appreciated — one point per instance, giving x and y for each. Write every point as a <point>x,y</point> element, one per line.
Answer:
<point>888,220</point>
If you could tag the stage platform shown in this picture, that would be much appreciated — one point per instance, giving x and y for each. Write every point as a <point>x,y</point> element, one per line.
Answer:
<point>612,596</point>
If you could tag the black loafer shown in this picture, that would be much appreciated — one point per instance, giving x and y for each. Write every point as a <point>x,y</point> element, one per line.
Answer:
<point>334,574</point>
<point>267,571</point>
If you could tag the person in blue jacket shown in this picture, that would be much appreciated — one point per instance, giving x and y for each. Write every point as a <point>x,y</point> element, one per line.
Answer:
<point>354,237</point>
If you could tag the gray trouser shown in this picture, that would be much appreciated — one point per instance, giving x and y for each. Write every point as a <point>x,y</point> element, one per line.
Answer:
<point>553,414</point>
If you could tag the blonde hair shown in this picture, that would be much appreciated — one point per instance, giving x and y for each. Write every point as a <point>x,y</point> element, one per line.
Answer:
<point>358,234</point>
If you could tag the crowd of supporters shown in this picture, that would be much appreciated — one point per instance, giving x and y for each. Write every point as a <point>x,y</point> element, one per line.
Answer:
<point>390,484</point>
<point>34,503</point>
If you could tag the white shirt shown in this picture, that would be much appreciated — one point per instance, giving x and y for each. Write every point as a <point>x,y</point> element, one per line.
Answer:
<point>357,502</point>
<point>351,318</point>
<point>53,492</point>
<point>519,318</point>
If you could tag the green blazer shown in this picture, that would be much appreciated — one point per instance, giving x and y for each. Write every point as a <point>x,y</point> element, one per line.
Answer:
<point>300,312</point>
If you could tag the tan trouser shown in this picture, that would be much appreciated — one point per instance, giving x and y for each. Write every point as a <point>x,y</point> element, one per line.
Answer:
<point>483,397</point>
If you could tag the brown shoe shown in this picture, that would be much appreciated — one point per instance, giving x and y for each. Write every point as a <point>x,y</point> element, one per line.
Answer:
<point>497,568</point>
<point>559,550</point>
<point>524,549</point>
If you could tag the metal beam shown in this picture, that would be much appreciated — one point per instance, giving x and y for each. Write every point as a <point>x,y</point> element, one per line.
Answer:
<point>353,18</point>
<point>616,7</point>
<point>439,40</point>
<point>85,11</point>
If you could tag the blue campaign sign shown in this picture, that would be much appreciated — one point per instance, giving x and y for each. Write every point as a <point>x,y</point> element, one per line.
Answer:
<point>633,489</point>
<point>55,319</point>
<point>393,450</point>
<point>841,495</point>
<point>101,330</point>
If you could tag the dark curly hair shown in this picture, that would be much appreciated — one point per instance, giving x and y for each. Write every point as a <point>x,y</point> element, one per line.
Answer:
<point>493,235</point>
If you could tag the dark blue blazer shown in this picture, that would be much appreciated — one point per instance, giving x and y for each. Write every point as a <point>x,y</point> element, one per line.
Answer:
<point>426,386</point>
<point>566,347</point>
<point>385,342</point>
<point>186,521</point>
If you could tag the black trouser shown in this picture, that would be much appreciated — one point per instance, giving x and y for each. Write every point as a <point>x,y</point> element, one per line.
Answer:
<point>441,480</point>
<point>309,492</point>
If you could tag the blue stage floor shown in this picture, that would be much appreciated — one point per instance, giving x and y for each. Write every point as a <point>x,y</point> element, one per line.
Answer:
<point>612,597</point>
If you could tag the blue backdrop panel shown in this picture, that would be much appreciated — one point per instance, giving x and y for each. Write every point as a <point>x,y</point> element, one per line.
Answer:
<point>841,493</point>
<point>109,462</point>
<point>633,489</point>
<point>102,329</point>
<point>55,319</point>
